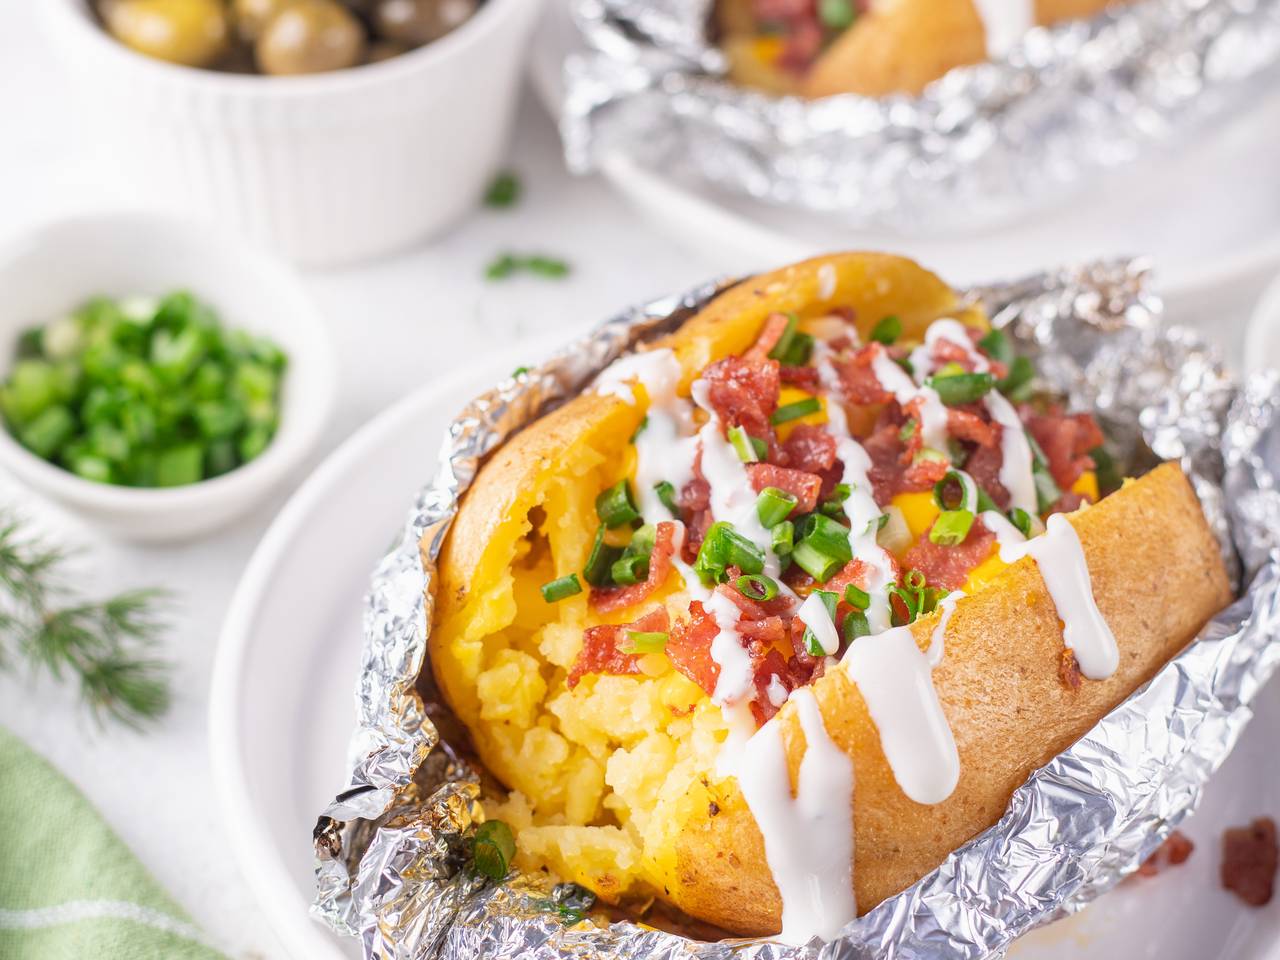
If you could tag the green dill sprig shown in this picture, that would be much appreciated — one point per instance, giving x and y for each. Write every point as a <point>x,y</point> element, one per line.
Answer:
<point>106,646</point>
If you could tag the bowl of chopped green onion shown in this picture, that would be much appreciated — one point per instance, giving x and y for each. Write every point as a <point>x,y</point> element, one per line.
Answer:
<point>160,377</point>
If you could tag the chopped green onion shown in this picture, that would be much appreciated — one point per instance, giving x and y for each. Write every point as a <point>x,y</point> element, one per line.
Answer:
<point>833,506</point>
<point>887,331</point>
<point>784,535</point>
<point>756,586</point>
<point>1022,520</point>
<point>928,453</point>
<point>930,597</point>
<point>724,547</point>
<point>810,639</point>
<point>854,626</point>
<point>908,430</point>
<point>996,346</point>
<point>837,14</point>
<point>951,527</point>
<point>956,491</point>
<point>1016,386</point>
<point>958,389</point>
<point>794,411</point>
<point>601,560</point>
<point>773,506</point>
<point>793,348</point>
<point>742,445</point>
<point>643,539</point>
<point>519,372</point>
<point>645,641</point>
<point>630,569</point>
<point>904,605</point>
<point>821,566</point>
<point>1107,471</point>
<point>508,264</point>
<point>949,370</point>
<point>914,580</point>
<point>504,191</point>
<point>856,597</point>
<point>560,588</point>
<point>615,506</point>
<point>789,332</point>
<point>828,534</point>
<point>666,491</point>
<point>493,849</point>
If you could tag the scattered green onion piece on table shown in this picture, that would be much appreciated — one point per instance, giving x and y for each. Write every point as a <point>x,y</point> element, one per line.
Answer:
<point>756,586</point>
<point>504,191</point>
<point>887,331</point>
<point>508,264</point>
<point>951,527</point>
<point>666,491</point>
<point>742,445</point>
<point>794,411</point>
<point>645,641</point>
<point>615,505</point>
<point>493,849</point>
<point>561,588</point>
<point>774,505</point>
<point>856,597</point>
<point>957,389</point>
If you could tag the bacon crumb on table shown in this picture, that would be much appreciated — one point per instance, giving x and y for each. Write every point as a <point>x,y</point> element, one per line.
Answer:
<point>1249,860</point>
<point>1176,849</point>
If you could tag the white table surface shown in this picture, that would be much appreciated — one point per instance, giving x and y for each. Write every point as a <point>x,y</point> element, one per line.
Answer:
<point>396,323</point>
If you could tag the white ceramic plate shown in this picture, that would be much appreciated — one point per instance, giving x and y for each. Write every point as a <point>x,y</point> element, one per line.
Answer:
<point>281,713</point>
<point>1209,215</point>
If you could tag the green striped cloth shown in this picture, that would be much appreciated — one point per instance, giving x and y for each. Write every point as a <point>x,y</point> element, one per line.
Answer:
<point>69,888</point>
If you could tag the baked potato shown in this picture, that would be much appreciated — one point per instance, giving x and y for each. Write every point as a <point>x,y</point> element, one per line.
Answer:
<point>812,522</point>
<point>874,47</point>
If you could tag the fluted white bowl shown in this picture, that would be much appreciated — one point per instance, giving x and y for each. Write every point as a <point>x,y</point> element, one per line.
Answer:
<point>327,168</point>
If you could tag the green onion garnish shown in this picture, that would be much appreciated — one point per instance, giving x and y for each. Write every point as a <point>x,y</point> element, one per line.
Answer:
<point>914,580</point>
<point>756,586</point>
<point>789,332</point>
<point>1107,471</point>
<point>996,346</point>
<point>600,560</point>
<point>784,537</point>
<point>724,547</point>
<point>645,641</point>
<point>742,445</point>
<point>854,626</point>
<point>794,411</point>
<point>810,640</point>
<point>793,347</point>
<point>951,527</point>
<point>1022,520</point>
<point>508,264</point>
<point>958,389</point>
<point>837,14</point>
<point>1017,385</point>
<point>493,849</point>
<point>666,491</point>
<point>615,506</point>
<point>908,430</point>
<point>560,588</point>
<point>821,566</point>
<point>773,506</point>
<point>856,597</point>
<point>823,546</point>
<point>904,605</point>
<point>956,491</point>
<point>887,331</point>
<point>519,372</point>
<point>930,597</point>
<point>504,191</point>
<point>833,506</point>
<point>630,569</point>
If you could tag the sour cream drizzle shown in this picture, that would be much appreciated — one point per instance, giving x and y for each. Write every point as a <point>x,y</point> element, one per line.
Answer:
<point>1006,22</point>
<point>1015,452</point>
<point>808,838</point>
<point>933,413</point>
<point>736,679</point>
<point>813,614</point>
<point>1066,576</point>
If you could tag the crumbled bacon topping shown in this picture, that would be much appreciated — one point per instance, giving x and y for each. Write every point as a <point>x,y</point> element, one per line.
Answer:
<point>949,566</point>
<point>1066,440</point>
<point>1249,859</point>
<point>615,598</point>
<point>744,393</point>
<point>805,487</point>
<point>810,448</point>
<point>601,645</point>
<point>774,327</point>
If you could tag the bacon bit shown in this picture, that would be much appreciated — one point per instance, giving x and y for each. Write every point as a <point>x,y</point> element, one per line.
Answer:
<point>945,351</point>
<point>967,423</point>
<point>806,377</point>
<point>695,509</point>
<point>884,448</point>
<point>949,566</point>
<point>1175,850</point>
<point>689,647</point>
<point>1066,440</point>
<point>753,609</point>
<point>1249,859</point>
<point>774,327</point>
<point>600,653</point>
<point>922,476</point>
<point>810,448</point>
<point>771,665</point>
<point>805,487</point>
<point>1069,669</point>
<point>745,393</point>
<point>859,380</point>
<point>615,598</point>
<point>984,466</point>
<point>1069,501</point>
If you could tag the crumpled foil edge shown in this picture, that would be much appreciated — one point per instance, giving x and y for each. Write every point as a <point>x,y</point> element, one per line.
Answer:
<point>982,145</point>
<point>390,847</point>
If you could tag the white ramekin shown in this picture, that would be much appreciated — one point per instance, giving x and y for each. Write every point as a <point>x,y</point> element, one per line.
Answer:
<point>325,169</point>
<point>52,269</point>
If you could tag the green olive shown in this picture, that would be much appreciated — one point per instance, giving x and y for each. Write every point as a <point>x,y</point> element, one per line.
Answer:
<point>310,36</point>
<point>416,22</point>
<point>191,32</point>
<point>251,16</point>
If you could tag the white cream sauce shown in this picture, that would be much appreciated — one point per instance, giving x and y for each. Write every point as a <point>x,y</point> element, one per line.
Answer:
<point>895,679</point>
<point>1015,452</point>
<point>953,332</point>
<point>1066,576</point>
<point>813,614</point>
<point>735,682</point>
<point>938,639</point>
<point>808,837</point>
<point>933,412</point>
<point>1006,22</point>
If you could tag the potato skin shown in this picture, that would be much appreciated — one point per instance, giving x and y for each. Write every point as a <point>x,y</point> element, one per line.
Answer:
<point>999,687</point>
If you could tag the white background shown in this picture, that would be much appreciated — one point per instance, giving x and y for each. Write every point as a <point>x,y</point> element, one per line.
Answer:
<point>396,324</point>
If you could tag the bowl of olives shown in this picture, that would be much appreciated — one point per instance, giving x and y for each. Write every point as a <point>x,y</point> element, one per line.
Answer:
<point>329,130</point>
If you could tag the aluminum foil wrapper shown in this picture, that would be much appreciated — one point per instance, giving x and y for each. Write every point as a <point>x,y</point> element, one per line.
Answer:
<point>391,847</point>
<point>983,144</point>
